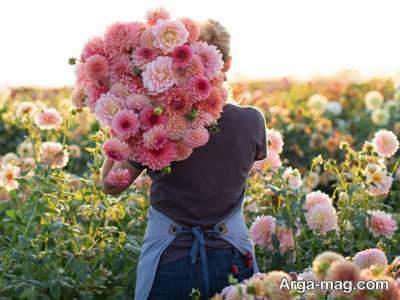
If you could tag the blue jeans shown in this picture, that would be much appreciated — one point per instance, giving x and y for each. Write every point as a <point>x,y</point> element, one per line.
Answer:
<point>175,280</point>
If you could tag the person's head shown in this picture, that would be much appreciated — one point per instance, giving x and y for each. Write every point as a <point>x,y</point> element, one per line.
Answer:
<point>214,33</point>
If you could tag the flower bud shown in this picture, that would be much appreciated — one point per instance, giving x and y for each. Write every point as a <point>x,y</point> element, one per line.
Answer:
<point>344,145</point>
<point>158,110</point>
<point>318,160</point>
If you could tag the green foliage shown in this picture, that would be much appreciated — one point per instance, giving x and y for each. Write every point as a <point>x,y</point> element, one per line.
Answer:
<point>61,237</point>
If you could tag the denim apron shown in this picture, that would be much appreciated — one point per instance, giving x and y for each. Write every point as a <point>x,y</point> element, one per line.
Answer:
<point>161,231</point>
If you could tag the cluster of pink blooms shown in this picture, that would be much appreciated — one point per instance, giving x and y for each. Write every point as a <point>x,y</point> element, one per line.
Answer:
<point>264,227</point>
<point>155,84</point>
<point>320,213</point>
<point>261,286</point>
<point>379,180</point>
<point>367,266</point>
<point>274,148</point>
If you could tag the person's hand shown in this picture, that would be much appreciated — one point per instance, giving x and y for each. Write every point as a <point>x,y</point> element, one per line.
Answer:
<point>118,176</point>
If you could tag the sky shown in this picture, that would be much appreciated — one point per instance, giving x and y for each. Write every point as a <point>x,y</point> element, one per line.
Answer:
<point>270,39</point>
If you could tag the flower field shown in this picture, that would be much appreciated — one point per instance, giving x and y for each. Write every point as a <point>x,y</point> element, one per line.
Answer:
<point>331,182</point>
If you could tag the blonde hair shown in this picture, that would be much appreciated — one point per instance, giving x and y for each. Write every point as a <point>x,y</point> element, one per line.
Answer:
<point>216,34</point>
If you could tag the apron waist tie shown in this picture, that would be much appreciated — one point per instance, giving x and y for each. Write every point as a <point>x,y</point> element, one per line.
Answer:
<point>199,249</point>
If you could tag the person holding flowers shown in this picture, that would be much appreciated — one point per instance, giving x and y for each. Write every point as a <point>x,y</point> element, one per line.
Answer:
<point>157,87</point>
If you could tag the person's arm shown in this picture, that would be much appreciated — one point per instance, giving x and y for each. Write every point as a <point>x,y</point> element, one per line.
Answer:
<point>261,140</point>
<point>109,165</point>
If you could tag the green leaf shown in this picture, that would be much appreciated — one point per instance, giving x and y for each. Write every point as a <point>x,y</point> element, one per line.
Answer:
<point>56,226</point>
<point>11,214</point>
<point>55,289</point>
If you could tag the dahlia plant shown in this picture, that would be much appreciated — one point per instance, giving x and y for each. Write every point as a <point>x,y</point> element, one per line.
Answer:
<point>61,237</point>
<point>370,265</point>
<point>292,221</point>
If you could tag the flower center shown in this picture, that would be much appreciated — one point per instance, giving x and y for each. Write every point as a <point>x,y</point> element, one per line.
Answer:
<point>201,85</point>
<point>153,119</point>
<point>177,104</point>
<point>125,124</point>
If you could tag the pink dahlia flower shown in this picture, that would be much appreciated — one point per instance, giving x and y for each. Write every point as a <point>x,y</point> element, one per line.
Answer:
<point>211,58</point>
<point>176,127</point>
<point>142,56</point>
<point>235,292</point>
<point>322,218</point>
<point>93,47</point>
<point>177,100</point>
<point>147,39</point>
<point>158,159</point>
<point>121,38</point>
<point>315,198</point>
<point>125,123</point>
<point>169,34</point>
<point>272,161</point>
<point>285,237</point>
<point>262,229</point>
<point>380,182</point>
<point>120,90</point>
<point>381,224</point>
<point>194,68</point>
<point>78,96</point>
<point>116,149</point>
<point>143,182</point>
<point>213,104</point>
<point>196,137</point>
<point>8,177</point>
<point>26,108</point>
<point>386,143</point>
<point>369,257</point>
<point>80,74</point>
<point>158,76</point>
<point>183,151</point>
<point>120,177</point>
<point>135,143</point>
<point>292,177</point>
<point>136,85</point>
<point>48,119</point>
<point>192,27</point>
<point>149,117</point>
<point>121,69</point>
<point>53,155</point>
<point>10,157</point>
<point>200,88</point>
<point>137,102</point>
<point>154,15</point>
<point>203,119</point>
<point>93,94</point>
<point>155,138</point>
<point>275,141</point>
<point>96,67</point>
<point>107,107</point>
<point>182,55</point>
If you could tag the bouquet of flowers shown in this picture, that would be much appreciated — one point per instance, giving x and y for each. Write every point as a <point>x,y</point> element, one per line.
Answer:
<point>155,85</point>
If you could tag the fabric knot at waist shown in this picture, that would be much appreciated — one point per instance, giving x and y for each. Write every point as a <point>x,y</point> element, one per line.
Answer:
<point>198,248</point>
